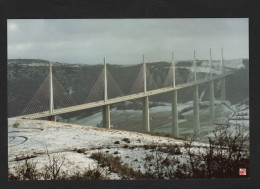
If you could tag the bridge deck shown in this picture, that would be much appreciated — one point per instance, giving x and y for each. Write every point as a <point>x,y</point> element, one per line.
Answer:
<point>121,99</point>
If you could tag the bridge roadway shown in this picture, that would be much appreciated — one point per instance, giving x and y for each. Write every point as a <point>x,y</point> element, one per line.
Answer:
<point>122,98</point>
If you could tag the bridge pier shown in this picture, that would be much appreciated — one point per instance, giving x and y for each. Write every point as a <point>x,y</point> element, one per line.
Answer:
<point>196,118</point>
<point>146,118</point>
<point>175,127</point>
<point>212,100</point>
<point>106,116</point>
<point>51,105</point>
<point>223,80</point>
<point>223,88</point>
<point>52,118</point>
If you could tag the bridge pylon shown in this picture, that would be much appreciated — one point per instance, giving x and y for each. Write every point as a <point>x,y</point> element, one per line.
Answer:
<point>194,66</point>
<point>51,102</point>
<point>144,75</point>
<point>173,71</point>
<point>106,108</point>
<point>210,61</point>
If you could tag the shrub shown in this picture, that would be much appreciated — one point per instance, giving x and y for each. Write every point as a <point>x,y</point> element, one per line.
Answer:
<point>114,164</point>
<point>51,171</point>
<point>93,174</point>
<point>16,124</point>
<point>25,171</point>
<point>161,163</point>
<point>222,159</point>
<point>97,156</point>
<point>127,140</point>
<point>82,150</point>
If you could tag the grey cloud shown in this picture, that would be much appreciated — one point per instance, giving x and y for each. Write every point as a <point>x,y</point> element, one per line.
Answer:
<point>123,41</point>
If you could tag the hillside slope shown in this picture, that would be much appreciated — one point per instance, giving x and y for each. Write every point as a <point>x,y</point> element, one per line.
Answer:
<point>33,138</point>
<point>25,76</point>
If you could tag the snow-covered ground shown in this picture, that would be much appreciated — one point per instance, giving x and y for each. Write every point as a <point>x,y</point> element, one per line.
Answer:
<point>34,137</point>
<point>235,63</point>
<point>204,67</point>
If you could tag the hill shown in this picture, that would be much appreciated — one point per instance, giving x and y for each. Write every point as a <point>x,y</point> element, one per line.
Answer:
<point>26,75</point>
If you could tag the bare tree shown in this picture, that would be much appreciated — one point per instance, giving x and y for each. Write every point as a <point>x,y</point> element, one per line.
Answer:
<point>52,169</point>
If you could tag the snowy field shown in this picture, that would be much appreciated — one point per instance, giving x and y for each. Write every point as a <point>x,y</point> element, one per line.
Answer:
<point>33,138</point>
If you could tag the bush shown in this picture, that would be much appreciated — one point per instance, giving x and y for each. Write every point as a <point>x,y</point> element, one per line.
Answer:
<point>222,159</point>
<point>157,134</point>
<point>82,150</point>
<point>172,150</point>
<point>115,164</point>
<point>25,171</point>
<point>93,174</point>
<point>162,164</point>
<point>51,171</point>
<point>127,140</point>
<point>16,124</point>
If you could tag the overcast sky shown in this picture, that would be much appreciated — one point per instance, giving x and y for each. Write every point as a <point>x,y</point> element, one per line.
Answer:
<point>124,41</point>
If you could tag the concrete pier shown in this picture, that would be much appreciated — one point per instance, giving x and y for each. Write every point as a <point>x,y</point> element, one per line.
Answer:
<point>106,116</point>
<point>106,108</point>
<point>51,103</point>
<point>196,118</point>
<point>175,127</point>
<point>52,118</point>
<point>223,88</point>
<point>212,100</point>
<point>51,107</point>
<point>223,80</point>
<point>146,117</point>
